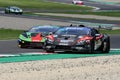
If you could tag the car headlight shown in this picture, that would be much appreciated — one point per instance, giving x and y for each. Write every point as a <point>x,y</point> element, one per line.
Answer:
<point>87,41</point>
<point>21,10</point>
<point>80,36</point>
<point>49,41</point>
<point>83,42</point>
<point>55,35</point>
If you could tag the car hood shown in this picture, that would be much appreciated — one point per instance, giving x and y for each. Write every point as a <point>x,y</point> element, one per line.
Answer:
<point>67,37</point>
<point>32,37</point>
<point>70,39</point>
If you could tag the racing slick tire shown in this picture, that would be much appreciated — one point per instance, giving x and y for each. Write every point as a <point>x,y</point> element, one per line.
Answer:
<point>46,49</point>
<point>106,45</point>
<point>92,44</point>
<point>7,12</point>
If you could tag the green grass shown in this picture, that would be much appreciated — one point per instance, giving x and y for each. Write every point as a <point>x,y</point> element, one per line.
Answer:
<point>41,5</point>
<point>100,13</point>
<point>110,13</point>
<point>44,5</point>
<point>7,34</point>
<point>110,31</point>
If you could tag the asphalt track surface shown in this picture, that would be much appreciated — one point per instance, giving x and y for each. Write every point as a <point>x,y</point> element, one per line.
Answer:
<point>62,19</point>
<point>10,46</point>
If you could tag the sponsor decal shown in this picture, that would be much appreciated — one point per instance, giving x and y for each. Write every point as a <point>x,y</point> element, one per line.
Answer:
<point>37,38</point>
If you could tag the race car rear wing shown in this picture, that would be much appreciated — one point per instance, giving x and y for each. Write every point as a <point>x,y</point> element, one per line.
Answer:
<point>96,27</point>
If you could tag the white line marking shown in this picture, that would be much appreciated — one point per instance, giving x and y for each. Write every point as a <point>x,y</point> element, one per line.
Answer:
<point>35,53</point>
<point>40,53</point>
<point>115,49</point>
<point>7,55</point>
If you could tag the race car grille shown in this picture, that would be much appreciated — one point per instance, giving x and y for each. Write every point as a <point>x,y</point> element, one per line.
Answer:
<point>63,47</point>
<point>36,44</point>
<point>33,44</point>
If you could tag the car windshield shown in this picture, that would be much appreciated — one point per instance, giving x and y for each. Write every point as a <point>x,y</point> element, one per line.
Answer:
<point>73,31</point>
<point>43,29</point>
<point>14,7</point>
<point>76,0</point>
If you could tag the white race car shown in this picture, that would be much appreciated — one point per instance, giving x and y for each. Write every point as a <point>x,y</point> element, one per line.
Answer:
<point>13,9</point>
<point>79,2</point>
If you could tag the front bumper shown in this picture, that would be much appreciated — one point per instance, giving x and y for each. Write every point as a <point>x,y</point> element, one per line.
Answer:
<point>75,48</point>
<point>17,12</point>
<point>30,44</point>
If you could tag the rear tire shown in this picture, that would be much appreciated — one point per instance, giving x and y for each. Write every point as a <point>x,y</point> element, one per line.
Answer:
<point>48,50</point>
<point>6,12</point>
<point>106,45</point>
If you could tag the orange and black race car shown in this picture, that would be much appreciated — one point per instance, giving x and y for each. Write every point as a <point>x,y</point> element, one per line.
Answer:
<point>35,36</point>
<point>77,39</point>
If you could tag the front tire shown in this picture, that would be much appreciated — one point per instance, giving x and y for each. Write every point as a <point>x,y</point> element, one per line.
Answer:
<point>7,12</point>
<point>92,44</point>
<point>50,51</point>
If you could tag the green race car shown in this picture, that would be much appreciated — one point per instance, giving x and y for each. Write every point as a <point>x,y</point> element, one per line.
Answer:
<point>35,36</point>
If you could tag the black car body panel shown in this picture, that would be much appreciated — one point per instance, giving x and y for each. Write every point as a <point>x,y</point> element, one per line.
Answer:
<point>77,39</point>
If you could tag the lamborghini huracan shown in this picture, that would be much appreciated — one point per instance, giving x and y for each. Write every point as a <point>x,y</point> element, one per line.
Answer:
<point>77,39</point>
<point>35,36</point>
